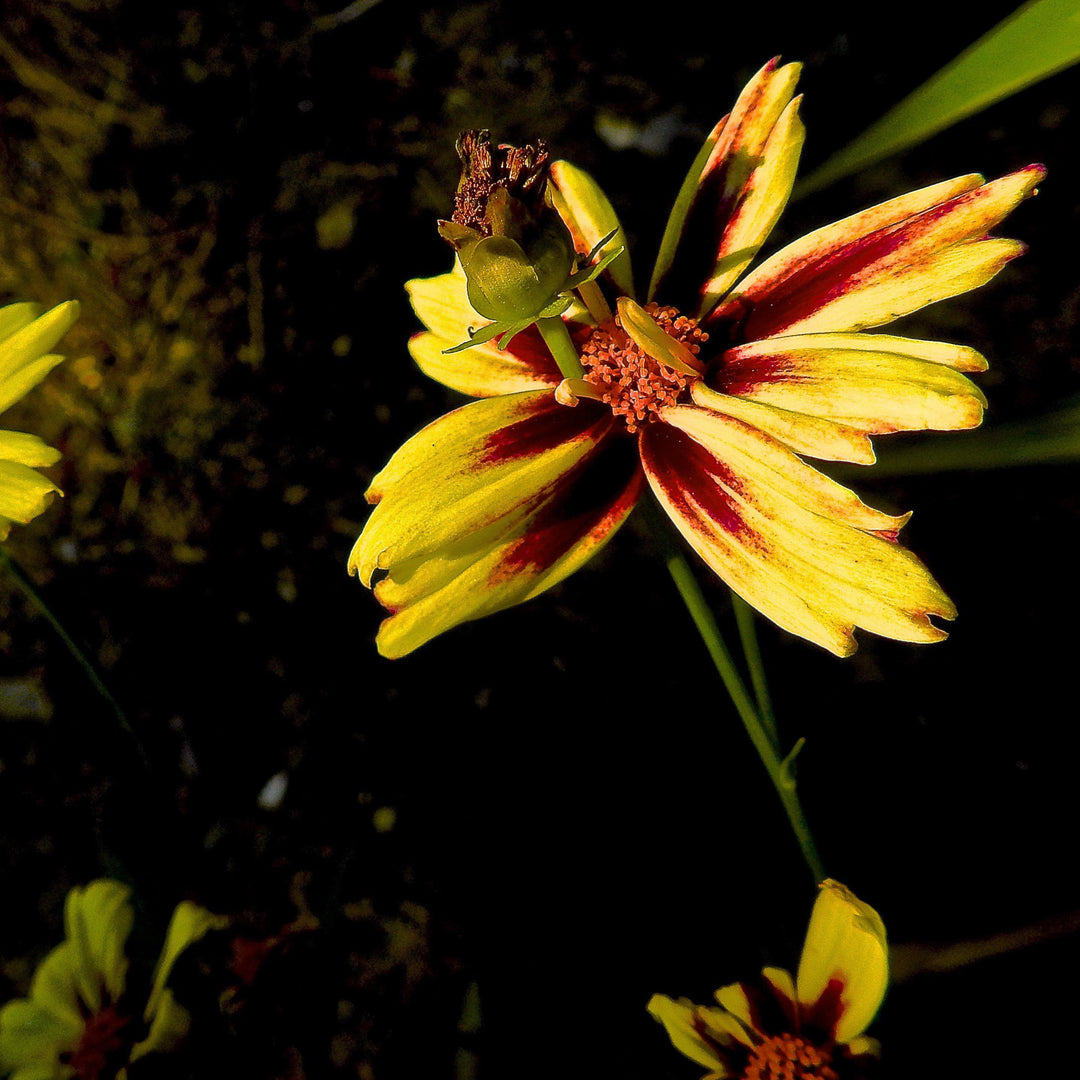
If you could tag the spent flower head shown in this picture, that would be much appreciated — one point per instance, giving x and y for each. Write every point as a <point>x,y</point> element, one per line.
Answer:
<point>711,389</point>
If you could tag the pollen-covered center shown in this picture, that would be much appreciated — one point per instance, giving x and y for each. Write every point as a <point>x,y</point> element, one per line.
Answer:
<point>635,385</point>
<point>789,1057</point>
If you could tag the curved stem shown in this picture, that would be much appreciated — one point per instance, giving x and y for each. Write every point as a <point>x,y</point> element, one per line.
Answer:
<point>557,338</point>
<point>764,742</point>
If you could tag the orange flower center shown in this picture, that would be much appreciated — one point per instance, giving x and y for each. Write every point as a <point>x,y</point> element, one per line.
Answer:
<point>635,385</point>
<point>789,1057</point>
<point>101,1041</point>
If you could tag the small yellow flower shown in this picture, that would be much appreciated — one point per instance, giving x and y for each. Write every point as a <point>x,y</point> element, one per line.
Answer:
<point>26,336</point>
<point>80,1021</point>
<point>712,392</point>
<point>807,1028</point>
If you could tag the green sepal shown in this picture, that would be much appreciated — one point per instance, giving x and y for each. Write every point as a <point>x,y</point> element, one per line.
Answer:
<point>590,273</point>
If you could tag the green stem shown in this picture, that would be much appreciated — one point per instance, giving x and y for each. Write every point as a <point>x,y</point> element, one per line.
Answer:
<point>764,743</point>
<point>557,338</point>
<point>79,656</point>
<point>744,619</point>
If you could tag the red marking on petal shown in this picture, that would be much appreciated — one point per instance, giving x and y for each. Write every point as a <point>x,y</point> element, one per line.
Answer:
<point>590,500</point>
<point>739,376</point>
<point>771,1011</point>
<point>818,281</point>
<point>820,1020</point>
<point>546,425</point>
<point>686,470</point>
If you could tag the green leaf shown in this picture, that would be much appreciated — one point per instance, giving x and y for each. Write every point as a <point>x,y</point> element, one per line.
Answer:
<point>1040,38</point>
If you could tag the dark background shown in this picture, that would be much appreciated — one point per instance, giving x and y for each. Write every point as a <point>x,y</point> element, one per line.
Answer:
<point>579,819</point>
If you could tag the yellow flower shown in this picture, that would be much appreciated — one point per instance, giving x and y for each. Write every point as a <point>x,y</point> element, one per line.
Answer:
<point>80,1021</point>
<point>807,1028</point>
<point>713,392</point>
<point>25,340</point>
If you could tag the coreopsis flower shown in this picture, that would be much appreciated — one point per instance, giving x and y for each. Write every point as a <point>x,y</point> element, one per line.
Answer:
<point>713,393</point>
<point>807,1028</point>
<point>26,336</point>
<point>82,1021</point>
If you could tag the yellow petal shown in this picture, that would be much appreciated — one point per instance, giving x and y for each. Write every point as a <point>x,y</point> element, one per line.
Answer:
<point>23,359</point>
<point>26,450</point>
<point>512,560</point>
<point>32,1039</point>
<point>469,469</point>
<point>55,987</point>
<point>486,370</point>
<point>881,264</point>
<point>801,549</point>
<point>169,1021</point>
<point>810,435</point>
<point>691,1037</point>
<point>489,506</point>
<point>738,194</point>
<point>589,216</point>
<point>844,957</point>
<point>873,383</point>
<point>97,920</point>
<point>764,197</point>
<point>24,493</point>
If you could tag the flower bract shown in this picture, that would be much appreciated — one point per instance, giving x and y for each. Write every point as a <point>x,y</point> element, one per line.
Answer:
<point>26,338</point>
<point>82,1021</point>
<point>809,1027</point>
<point>711,390</point>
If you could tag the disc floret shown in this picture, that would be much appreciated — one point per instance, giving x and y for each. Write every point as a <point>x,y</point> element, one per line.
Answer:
<point>643,360</point>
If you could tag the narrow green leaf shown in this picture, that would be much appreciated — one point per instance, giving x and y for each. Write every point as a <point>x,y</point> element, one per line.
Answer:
<point>1040,38</point>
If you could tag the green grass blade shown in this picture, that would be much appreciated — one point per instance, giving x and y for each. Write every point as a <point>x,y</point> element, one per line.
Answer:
<point>1040,38</point>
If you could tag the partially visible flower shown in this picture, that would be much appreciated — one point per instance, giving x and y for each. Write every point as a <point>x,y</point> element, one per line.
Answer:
<point>712,391</point>
<point>26,336</point>
<point>807,1028</point>
<point>82,1021</point>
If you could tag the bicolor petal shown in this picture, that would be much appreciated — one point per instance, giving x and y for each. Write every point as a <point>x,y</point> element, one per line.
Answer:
<point>881,264</point>
<point>589,215</point>
<point>442,305</point>
<point>802,549</point>
<point>844,968</point>
<point>489,506</point>
<point>872,383</point>
<point>740,190</point>
<point>703,1035</point>
<point>810,435</point>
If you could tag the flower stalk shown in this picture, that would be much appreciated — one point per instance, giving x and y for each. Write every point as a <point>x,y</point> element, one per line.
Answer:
<point>765,741</point>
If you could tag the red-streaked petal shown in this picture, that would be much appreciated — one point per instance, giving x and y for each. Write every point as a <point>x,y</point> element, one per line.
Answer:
<point>514,559</point>
<point>469,469</point>
<point>589,216</point>
<point>710,1037</point>
<point>810,435</point>
<point>488,506</point>
<point>883,263</point>
<point>874,383</point>
<point>485,370</point>
<point>800,548</point>
<point>844,967</point>
<point>741,190</point>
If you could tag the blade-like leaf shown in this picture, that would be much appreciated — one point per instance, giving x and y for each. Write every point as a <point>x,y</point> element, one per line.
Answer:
<point>1040,38</point>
